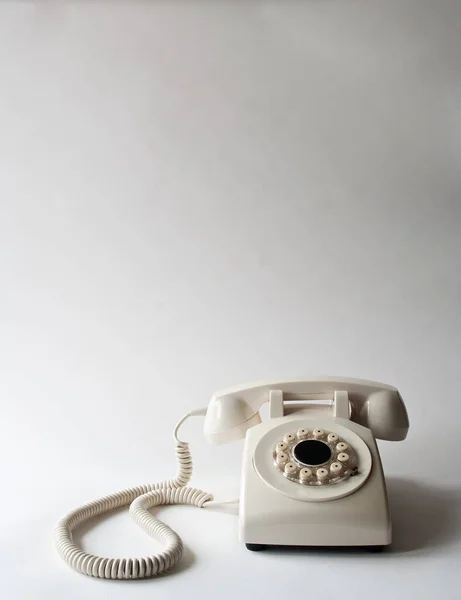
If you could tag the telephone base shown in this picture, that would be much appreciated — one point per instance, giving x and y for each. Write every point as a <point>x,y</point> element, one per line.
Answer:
<point>373,549</point>
<point>277,512</point>
<point>255,547</point>
<point>376,549</point>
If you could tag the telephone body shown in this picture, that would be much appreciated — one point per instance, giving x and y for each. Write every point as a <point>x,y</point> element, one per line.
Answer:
<point>334,493</point>
<point>311,473</point>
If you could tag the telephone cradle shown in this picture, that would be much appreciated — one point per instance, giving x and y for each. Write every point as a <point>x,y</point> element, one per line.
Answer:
<point>311,473</point>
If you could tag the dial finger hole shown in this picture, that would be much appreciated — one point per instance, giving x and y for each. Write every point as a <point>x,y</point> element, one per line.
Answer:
<point>302,433</point>
<point>281,458</point>
<point>343,457</point>
<point>305,474</point>
<point>290,468</point>
<point>322,474</point>
<point>336,468</point>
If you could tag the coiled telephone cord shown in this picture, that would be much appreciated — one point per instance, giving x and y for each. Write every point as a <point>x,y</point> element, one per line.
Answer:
<point>140,498</point>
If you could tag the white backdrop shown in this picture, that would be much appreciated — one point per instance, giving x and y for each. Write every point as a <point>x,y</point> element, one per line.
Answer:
<point>198,194</point>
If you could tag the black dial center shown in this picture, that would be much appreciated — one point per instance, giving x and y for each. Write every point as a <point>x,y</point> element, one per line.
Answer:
<point>312,452</point>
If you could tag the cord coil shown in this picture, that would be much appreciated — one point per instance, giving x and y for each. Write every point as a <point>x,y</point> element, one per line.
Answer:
<point>140,499</point>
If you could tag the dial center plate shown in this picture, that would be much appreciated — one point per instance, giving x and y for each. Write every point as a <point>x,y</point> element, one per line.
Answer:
<point>274,461</point>
<point>312,453</point>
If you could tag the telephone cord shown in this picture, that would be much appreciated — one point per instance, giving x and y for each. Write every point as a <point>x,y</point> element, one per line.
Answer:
<point>140,498</point>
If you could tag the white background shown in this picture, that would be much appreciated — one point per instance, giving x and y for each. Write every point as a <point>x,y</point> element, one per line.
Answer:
<point>200,194</point>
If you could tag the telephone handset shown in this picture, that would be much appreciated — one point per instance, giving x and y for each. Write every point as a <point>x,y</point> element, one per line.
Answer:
<point>377,406</point>
<point>323,456</point>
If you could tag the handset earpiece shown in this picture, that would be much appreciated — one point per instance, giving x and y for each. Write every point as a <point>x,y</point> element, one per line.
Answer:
<point>385,414</point>
<point>228,418</point>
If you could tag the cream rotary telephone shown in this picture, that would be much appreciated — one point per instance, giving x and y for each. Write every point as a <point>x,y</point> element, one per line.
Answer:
<point>311,474</point>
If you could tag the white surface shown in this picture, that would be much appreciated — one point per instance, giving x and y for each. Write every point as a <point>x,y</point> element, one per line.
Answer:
<point>198,195</point>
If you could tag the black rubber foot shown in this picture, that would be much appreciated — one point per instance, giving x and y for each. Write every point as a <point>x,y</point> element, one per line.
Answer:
<point>374,548</point>
<point>255,547</point>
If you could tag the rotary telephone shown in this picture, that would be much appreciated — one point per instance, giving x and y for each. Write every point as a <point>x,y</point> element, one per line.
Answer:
<point>311,474</point>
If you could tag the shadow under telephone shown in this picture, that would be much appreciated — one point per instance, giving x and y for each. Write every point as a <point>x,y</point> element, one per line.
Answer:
<point>311,473</point>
